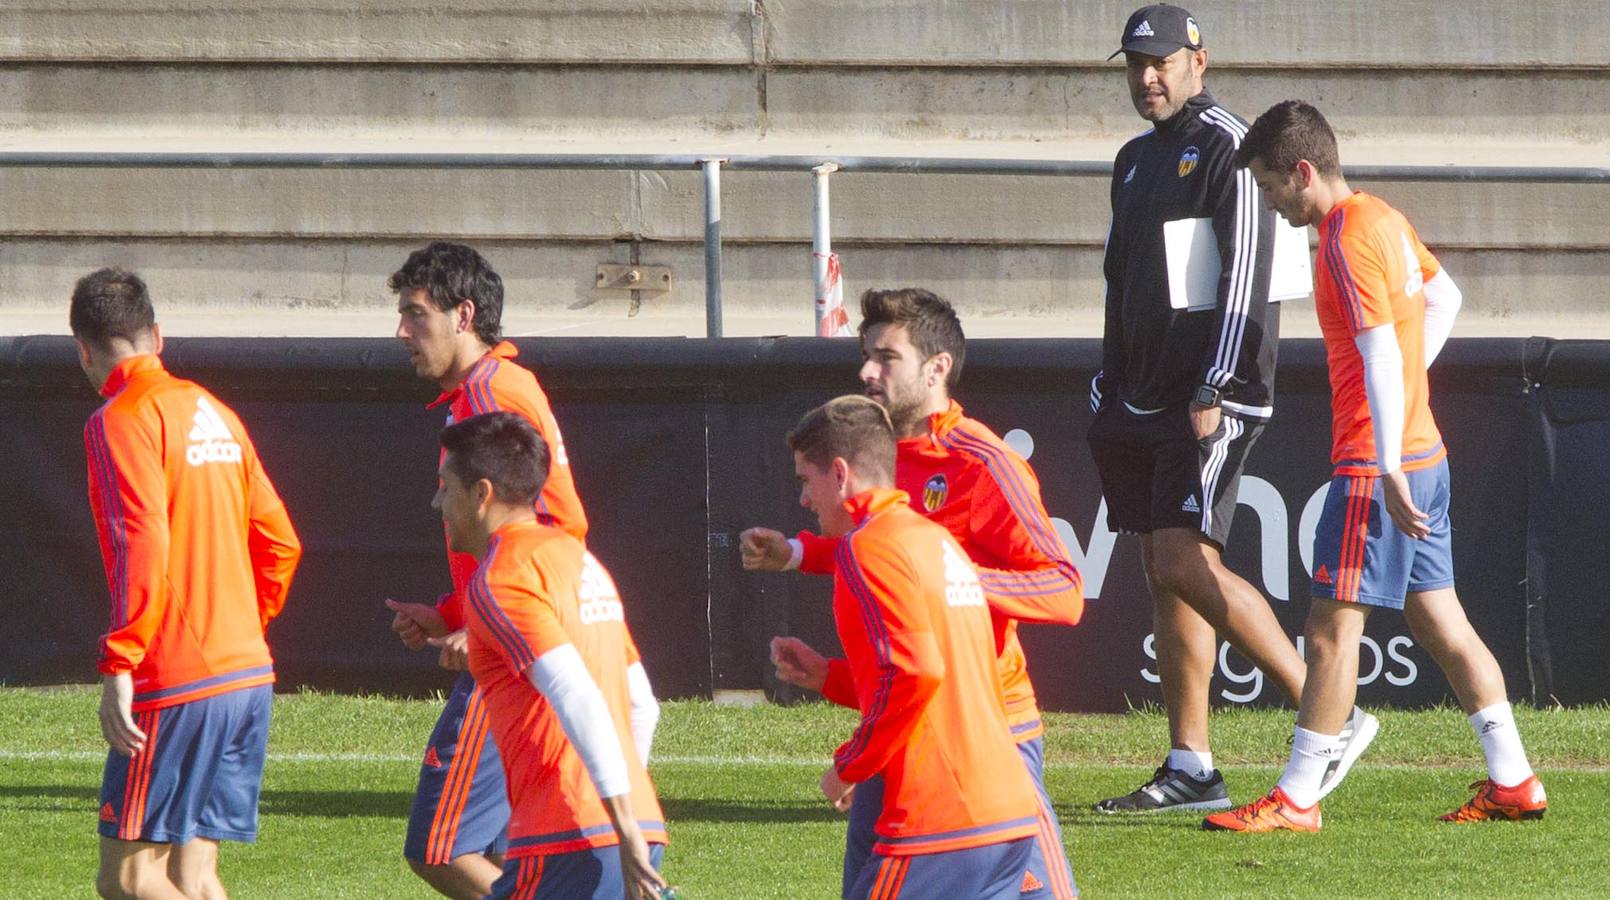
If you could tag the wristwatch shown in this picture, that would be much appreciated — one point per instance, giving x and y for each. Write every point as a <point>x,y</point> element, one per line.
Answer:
<point>1208,395</point>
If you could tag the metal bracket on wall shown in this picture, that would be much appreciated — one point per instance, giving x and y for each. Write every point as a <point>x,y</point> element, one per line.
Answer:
<point>616,277</point>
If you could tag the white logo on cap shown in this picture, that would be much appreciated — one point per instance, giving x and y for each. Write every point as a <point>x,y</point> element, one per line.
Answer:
<point>1144,29</point>
<point>1192,33</point>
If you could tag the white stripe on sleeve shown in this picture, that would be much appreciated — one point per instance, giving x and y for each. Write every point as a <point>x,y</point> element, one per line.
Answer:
<point>1243,263</point>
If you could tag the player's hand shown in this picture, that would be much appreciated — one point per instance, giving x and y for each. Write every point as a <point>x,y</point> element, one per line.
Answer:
<point>455,650</point>
<point>1400,506</point>
<point>117,717</point>
<point>1204,419</point>
<point>798,664</point>
<point>416,622</point>
<point>764,550</point>
<point>837,791</point>
<point>637,866</point>
<point>637,869</point>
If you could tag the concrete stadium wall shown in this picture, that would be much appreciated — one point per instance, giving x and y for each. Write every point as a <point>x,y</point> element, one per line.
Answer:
<point>305,251</point>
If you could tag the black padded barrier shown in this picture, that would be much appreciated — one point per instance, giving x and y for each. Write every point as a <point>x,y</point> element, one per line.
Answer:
<point>677,445</point>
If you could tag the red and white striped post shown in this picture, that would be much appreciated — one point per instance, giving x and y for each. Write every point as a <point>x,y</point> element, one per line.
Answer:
<point>832,320</point>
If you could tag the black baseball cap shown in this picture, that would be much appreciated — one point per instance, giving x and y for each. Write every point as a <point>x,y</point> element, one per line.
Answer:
<point>1159,30</point>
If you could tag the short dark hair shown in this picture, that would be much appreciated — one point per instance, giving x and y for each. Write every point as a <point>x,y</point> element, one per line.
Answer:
<point>501,447</point>
<point>852,427</point>
<point>110,303</point>
<point>452,273</point>
<point>929,319</point>
<point>1286,132</point>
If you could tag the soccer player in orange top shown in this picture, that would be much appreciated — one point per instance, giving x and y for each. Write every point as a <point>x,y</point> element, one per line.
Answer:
<point>450,306</point>
<point>960,475</point>
<point>549,648</point>
<point>958,814</point>
<point>199,555</point>
<point>1385,306</point>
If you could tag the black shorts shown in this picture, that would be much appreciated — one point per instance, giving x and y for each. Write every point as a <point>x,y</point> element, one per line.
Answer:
<point>1156,474</point>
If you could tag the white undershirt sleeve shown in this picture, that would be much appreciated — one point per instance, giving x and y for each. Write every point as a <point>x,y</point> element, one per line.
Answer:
<point>563,678</point>
<point>1383,385</point>
<point>645,709</point>
<point>1443,300</point>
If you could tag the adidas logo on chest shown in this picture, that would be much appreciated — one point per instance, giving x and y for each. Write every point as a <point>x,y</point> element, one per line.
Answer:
<point>961,579</point>
<point>210,439</point>
<point>600,602</point>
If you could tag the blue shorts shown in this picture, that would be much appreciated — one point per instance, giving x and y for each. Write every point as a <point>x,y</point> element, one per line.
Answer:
<point>1048,873</point>
<point>594,874</point>
<point>198,776</point>
<point>1361,557</point>
<point>461,805</point>
<point>994,872</point>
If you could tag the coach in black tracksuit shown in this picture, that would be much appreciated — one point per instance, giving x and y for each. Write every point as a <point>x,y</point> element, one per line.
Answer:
<point>1183,393</point>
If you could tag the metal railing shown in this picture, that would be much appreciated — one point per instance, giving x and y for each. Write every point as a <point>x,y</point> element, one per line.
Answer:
<point>820,167</point>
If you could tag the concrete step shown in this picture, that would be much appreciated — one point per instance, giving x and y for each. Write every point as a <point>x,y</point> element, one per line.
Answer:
<point>1304,33</point>
<point>371,30</point>
<point>1385,33</point>
<point>691,104</point>
<point>337,287</point>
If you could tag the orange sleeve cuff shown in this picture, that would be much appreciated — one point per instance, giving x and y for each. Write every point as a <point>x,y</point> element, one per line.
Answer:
<point>819,557</point>
<point>839,686</point>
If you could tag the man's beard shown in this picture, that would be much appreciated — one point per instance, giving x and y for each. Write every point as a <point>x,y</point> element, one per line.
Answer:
<point>905,414</point>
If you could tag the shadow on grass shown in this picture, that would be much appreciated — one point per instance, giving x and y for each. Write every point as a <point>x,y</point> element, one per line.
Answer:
<point>1088,818</point>
<point>684,810</point>
<point>327,804</point>
<point>336,804</point>
<point>49,797</point>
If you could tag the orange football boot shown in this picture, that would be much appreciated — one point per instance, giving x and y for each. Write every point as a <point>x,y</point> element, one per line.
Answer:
<point>1274,812</point>
<point>1496,802</point>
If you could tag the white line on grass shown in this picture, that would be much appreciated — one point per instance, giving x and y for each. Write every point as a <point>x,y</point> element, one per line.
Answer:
<point>708,760</point>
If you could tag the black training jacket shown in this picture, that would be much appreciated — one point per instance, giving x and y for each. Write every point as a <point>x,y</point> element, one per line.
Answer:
<point>1155,356</point>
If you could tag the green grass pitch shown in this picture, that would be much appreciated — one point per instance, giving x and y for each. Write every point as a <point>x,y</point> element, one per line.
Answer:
<point>739,790</point>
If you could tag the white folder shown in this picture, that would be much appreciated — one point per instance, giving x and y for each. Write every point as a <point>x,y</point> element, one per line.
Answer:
<point>1193,263</point>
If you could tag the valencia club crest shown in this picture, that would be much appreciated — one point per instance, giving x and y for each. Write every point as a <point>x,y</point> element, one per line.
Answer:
<point>1188,161</point>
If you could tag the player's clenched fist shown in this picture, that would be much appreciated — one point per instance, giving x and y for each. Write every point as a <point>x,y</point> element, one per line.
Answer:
<point>416,623</point>
<point>455,649</point>
<point>798,664</point>
<point>837,791</point>
<point>765,550</point>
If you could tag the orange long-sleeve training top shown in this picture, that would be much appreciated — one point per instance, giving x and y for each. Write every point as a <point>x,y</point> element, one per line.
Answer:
<point>497,384</point>
<point>910,613</point>
<point>964,477</point>
<point>198,548</point>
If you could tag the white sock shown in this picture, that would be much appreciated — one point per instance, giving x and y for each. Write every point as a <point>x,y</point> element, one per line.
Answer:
<point>1311,754</point>
<point>1501,744</point>
<point>1197,765</point>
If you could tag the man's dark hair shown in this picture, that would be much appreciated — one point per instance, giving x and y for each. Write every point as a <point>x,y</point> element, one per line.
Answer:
<point>501,447</point>
<point>108,304</point>
<point>1286,132</point>
<point>851,427</point>
<point>929,320</point>
<point>452,273</point>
